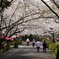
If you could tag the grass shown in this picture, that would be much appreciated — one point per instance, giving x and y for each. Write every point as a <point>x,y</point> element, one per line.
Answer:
<point>1,52</point>
<point>10,47</point>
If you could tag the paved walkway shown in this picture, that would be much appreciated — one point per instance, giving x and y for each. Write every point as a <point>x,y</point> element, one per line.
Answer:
<point>26,52</point>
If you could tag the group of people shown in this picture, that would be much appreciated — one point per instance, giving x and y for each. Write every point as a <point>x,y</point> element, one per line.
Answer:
<point>38,44</point>
<point>44,44</point>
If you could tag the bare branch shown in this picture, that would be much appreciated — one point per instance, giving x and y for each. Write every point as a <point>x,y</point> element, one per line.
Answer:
<point>50,8</point>
<point>55,3</point>
<point>17,32</point>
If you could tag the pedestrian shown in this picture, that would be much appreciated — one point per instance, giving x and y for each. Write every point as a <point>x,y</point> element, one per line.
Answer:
<point>44,46</point>
<point>38,43</point>
<point>27,41</point>
<point>15,45</point>
<point>33,42</point>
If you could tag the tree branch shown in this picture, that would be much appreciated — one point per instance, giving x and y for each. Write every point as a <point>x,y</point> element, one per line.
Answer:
<point>50,8</point>
<point>16,32</point>
<point>55,3</point>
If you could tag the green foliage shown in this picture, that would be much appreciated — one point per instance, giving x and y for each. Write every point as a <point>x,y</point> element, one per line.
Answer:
<point>10,47</point>
<point>24,37</point>
<point>48,41</point>
<point>5,4</point>
<point>1,52</point>
<point>58,4</point>
<point>19,42</point>
<point>31,37</point>
<point>53,47</point>
<point>55,52</point>
<point>2,40</point>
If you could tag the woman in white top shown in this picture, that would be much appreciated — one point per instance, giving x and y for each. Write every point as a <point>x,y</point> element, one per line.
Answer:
<point>27,42</point>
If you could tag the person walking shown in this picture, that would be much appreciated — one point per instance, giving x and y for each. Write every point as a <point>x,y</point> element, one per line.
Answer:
<point>33,42</point>
<point>27,41</point>
<point>15,45</point>
<point>38,43</point>
<point>44,46</point>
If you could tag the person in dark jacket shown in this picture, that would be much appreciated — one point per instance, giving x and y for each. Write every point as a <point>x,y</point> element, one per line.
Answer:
<point>15,45</point>
<point>44,46</point>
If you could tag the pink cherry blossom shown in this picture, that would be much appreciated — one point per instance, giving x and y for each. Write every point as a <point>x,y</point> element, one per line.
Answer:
<point>2,36</point>
<point>12,39</point>
<point>47,38</point>
<point>57,38</point>
<point>18,36</point>
<point>44,37</point>
<point>7,36</point>
<point>52,37</point>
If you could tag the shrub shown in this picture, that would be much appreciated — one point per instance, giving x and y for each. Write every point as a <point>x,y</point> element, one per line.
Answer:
<point>53,47</point>
<point>1,52</point>
<point>10,47</point>
<point>55,52</point>
<point>19,42</point>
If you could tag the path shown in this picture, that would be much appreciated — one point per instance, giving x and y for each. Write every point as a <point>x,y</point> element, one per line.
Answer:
<point>26,52</point>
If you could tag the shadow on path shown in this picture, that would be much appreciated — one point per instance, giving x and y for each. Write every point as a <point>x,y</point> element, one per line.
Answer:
<point>26,52</point>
